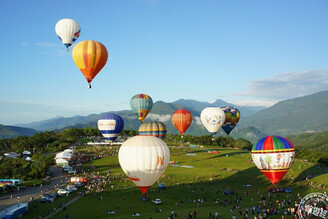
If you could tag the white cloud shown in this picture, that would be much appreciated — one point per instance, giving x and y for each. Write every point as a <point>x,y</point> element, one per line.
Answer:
<point>25,44</point>
<point>161,118</point>
<point>253,102</point>
<point>288,85</point>
<point>48,45</point>
<point>197,120</point>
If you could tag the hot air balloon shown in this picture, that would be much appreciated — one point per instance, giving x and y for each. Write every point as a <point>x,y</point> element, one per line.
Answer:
<point>141,105</point>
<point>273,155</point>
<point>232,116</point>
<point>213,119</point>
<point>182,119</point>
<point>156,129</point>
<point>68,30</point>
<point>144,159</point>
<point>110,126</point>
<point>90,57</point>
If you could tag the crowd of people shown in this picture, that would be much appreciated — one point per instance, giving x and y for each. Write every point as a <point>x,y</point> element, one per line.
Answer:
<point>243,202</point>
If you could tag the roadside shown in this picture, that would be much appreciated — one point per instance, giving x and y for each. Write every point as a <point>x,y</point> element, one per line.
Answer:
<point>25,195</point>
<point>65,206</point>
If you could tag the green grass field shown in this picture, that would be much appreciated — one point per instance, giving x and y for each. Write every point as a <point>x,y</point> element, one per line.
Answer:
<point>184,185</point>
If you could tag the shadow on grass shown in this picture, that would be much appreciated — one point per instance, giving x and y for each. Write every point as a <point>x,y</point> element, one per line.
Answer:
<point>310,173</point>
<point>214,157</point>
<point>229,154</point>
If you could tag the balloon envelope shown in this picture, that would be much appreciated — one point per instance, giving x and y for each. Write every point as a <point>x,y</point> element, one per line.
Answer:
<point>213,119</point>
<point>273,155</point>
<point>232,116</point>
<point>141,105</point>
<point>144,159</point>
<point>68,30</point>
<point>156,129</point>
<point>90,57</point>
<point>110,126</point>
<point>182,119</point>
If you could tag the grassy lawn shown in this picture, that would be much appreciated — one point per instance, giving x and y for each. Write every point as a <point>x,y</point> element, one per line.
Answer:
<point>33,182</point>
<point>36,209</point>
<point>206,180</point>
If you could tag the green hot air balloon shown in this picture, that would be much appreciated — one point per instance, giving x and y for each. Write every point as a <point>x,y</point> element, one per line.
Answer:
<point>141,105</point>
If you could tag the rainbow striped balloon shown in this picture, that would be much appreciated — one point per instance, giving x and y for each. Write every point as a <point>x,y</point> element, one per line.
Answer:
<point>273,155</point>
<point>156,129</point>
<point>232,116</point>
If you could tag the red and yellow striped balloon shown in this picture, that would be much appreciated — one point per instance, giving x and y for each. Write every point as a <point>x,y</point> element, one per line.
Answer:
<point>90,57</point>
<point>182,119</point>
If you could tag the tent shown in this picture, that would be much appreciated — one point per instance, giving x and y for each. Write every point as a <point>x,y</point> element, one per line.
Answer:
<point>11,155</point>
<point>69,151</point>
<point>26,153</point>
<point>64,155</point>
<point>61,162</point>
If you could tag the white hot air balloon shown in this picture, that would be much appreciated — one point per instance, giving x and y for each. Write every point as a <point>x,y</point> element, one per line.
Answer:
<point>144,159</point>
<point>68,30</point>
<point>213,119</point>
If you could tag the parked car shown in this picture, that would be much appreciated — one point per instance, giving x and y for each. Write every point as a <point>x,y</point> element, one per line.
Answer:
<point>63,191</point>
<point>48,195</point>
<point>45,195</point>
<point>78,184</point>
<point>67,168</point>
<point>46,200</point>
<point>71,188</point>
<point>157,201</point>
<point>56,194</point>
<point>72,171</point>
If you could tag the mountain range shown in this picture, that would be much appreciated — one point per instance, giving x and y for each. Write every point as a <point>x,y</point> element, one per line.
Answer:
<point>305,114</point>
<point>161,111</point>
<point>14,131</point>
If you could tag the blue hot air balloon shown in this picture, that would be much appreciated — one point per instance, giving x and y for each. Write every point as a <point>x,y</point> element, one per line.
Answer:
<point>110,126</point>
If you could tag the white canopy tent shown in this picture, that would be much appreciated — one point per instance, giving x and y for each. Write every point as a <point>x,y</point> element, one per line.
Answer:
<point>11,155</point>
<point>69,150</point>
<point>64,155</point>
<point>26,153</point>
<point>61,162</point>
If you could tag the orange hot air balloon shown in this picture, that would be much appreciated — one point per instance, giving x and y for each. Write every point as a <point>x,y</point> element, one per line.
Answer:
<point>182,119</point>
<point>90,57</point>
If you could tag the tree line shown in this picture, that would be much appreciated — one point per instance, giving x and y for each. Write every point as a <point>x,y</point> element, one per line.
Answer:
<point>208,140</point>
<point>19,168</point>
<point>51,141</point>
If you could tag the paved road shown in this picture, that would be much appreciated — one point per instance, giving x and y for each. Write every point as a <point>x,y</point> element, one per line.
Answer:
<point>24,195</point>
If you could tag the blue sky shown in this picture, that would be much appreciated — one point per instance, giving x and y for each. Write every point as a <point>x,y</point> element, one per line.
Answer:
<point>243,52</point>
